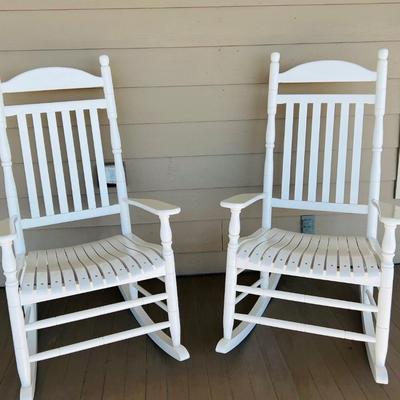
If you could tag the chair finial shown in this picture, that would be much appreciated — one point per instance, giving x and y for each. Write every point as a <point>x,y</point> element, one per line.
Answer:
<point>383,54</point>
<point>104,60</point>
<point>275,57</point>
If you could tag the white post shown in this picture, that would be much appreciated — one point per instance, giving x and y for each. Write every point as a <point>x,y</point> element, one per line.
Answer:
<point>270,139</point>
<point>385,295</point>
<point>116,144</point>
<point>231,273</point>
<point>377,142</point>
<point>9,183</point>
<point>170,280</point>
<point>16,314</point>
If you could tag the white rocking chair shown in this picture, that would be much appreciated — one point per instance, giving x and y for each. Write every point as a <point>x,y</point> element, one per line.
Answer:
<point>354,260</point>
<point>121,260</point>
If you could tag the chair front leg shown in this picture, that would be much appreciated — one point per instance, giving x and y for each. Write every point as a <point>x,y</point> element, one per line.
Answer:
<point>16,315</point>
<point>385,295</point>
<point>231,273</point>
<point>170,280</point>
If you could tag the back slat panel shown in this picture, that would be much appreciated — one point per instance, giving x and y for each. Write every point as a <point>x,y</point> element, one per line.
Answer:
<point>71,156</point>
<point>356,159</point>
<point>87,168</point>
<point>314,148</point>
<point>98,149</point>
<point>28,166</point>
<point>326,181</point>
<point>42,160</point>
<point>342,152</point>
<point>287,151</point>
<point>301,145</point>
<point>58,165</point>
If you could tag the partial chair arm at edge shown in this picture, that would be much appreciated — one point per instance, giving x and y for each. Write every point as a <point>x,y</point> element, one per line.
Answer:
<point>241,201</point>
<point>389,213</point>
<point>155,207</point>
<point>7,230</point>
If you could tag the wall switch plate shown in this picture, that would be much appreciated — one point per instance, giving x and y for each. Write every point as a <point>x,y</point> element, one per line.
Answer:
<point>307,224</point>
<point>111,176</point>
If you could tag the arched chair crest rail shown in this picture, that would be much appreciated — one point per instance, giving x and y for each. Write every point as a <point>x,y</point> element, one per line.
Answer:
<point>62,151</point>
<point>325,176</point>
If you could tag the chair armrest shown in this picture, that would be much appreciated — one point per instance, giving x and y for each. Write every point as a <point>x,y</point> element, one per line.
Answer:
<point>155,207</point>
<point>240,201</point>
<point>389,213</point>
<point>7,230</point>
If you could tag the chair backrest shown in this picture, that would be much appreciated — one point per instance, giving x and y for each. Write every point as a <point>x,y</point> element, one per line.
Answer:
<point>58,141</point>
<point>331,177</point>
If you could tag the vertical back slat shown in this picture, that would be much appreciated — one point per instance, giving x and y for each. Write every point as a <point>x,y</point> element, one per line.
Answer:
<point>98,150</point>
<point>42,160</point>
<point>326,180</point>
<point>356,159</point>
<point>300,153</point>
<point>57,160</point>
<point>71,156</point>
<point>87,169</point>
<point>342,152</point>
<point>314,148</point>
<point>28,166</point>
<point>287,151</point>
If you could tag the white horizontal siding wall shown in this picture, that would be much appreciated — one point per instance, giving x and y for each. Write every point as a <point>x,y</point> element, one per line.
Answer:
<point>190,80</point>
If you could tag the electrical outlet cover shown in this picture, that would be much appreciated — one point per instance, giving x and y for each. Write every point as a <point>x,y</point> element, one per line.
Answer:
<point>307,224</point>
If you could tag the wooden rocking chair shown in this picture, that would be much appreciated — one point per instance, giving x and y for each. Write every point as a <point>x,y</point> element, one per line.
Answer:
<point>121,260</point>
<point>348,259</point>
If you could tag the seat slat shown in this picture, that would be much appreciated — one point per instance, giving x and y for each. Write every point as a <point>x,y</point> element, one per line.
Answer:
<point>344,257</point>
<point>258,251</point>
<point>269,255</point>
<point>42,160</point>
<point>295,258</point>
<point>54,272</point>
<point>369,257</point>
<point>307,260</point>
<point>42,281</point>
<point>320,256</point>
<point>28,165</point>
<point>332,257</point>
<point>67,272</point>
<point>78,260</point>
<point>356,258</point>
<point>250,243</point>
<point>285,252</point>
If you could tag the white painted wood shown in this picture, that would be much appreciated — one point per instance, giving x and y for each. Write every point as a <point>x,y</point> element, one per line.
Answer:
<point>314,148</point>
<point>55,273</point>
<point>72,165</point>
<point>346,259</point>
<point>52,78</point>
<point>287,151</point>
<point>342,152</point>
<point>42,160</point>
<point>326,182</point>
<point>98,151</point>
<point>327,71</point>
<point>28,165</point>
<point>58,166</point>
<point>86,164</point>
<point>356,158</point>
<point>300,153</point>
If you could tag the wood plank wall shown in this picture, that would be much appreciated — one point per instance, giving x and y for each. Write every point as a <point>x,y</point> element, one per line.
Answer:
<point>190,80</point>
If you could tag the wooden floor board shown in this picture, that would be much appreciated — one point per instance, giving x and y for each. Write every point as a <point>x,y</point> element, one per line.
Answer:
<point>270,364</point>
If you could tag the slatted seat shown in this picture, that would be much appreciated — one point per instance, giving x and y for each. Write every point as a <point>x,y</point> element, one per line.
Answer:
<point>118,260</point>
<point>349,259</point>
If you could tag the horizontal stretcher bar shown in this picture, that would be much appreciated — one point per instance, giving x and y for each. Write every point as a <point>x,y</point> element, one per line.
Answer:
<point>300,327</point>
<point>303,298</point>
<point>145,292</point>
<point>94,312</point>
<point>88,344</point>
